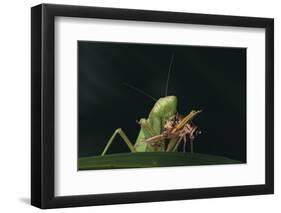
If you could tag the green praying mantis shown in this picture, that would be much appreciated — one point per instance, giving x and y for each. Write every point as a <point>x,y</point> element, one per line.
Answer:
<point>164,129</point>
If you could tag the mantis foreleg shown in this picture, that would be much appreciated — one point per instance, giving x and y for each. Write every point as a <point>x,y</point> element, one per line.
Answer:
<point>123,136</point>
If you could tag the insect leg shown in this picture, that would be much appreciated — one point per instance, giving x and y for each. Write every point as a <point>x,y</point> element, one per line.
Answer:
<point>184,143</point>
<point>191,145</point>
<point>172,143</point>
<point>177,144</point>
<point>123,136</point>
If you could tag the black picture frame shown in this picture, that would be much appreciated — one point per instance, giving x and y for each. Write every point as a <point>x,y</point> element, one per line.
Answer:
<point>43,117</point>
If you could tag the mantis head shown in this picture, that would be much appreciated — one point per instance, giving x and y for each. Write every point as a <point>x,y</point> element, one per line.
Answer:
<point>165,107</point>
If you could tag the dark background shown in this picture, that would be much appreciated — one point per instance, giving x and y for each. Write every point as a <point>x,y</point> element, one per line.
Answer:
<point>209,78</point>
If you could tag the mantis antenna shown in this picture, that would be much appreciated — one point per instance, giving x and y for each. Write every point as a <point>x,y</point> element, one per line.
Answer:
<point>140,91</point>
<point>167,83</point>
<point>168,77</point>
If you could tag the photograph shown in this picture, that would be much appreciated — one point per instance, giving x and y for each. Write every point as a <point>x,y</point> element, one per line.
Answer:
<point>139,105</point>
<point>144,105</point>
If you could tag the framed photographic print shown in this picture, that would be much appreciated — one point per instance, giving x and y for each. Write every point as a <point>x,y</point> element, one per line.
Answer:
<point>140,106</point>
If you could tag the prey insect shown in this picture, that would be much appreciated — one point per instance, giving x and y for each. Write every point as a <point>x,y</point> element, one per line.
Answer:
<point>164,129</point>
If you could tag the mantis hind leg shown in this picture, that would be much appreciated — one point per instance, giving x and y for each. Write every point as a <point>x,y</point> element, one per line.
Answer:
<point>123,136</point>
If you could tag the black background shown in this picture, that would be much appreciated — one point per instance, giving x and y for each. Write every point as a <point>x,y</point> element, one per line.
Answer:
<point>209,78</point>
